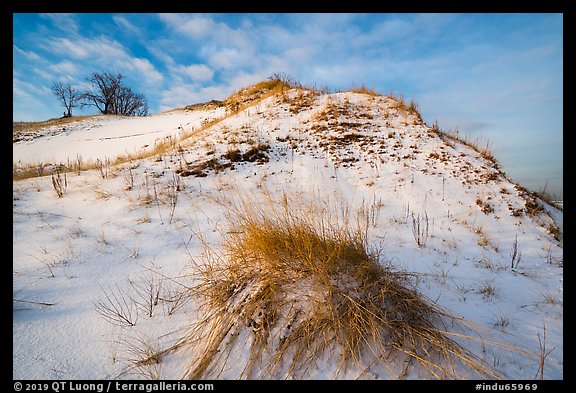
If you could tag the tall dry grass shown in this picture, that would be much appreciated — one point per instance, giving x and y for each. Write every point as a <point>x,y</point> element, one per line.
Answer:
<point>299,288</point>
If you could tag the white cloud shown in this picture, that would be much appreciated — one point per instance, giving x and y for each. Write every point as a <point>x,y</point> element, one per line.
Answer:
<point>300,54</point>
<point>194,26</point>
<point>204,29</point>
<point>98,49</point>
<point>27,54</point>
<point>161,55</point>
<point>65,46</point>
<point>64,68</point>
<point>27,90</point>
<point>228,58</point>
<point>126,25</point>
<point>196,72</point>
<point>144,68</point>
<point>102,52</point>
<point>180,95</point>
<point>243,79</point>
<point>64,22</point>
<point>43,73</point>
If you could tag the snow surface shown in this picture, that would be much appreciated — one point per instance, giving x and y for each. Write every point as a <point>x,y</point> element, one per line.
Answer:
<point>104,137</point>
<point>118,234</point>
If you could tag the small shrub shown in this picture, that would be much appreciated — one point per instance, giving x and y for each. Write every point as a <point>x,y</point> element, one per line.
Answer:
<point>146,293</point>
<point>257,153</point>
<point>502,321</point>
<point>516,212</point>
<point>543,354</point>
<point>549,198</point>
<point>533,207</point>
<point>515,254</point>
<point>141,355</point>
<point>233,155</point>
<point>117,308</point>
<point>103,167</point>
<point>60,183</point>
<point>129,180</point>
<point>487,290</point>
<point>410,108</point>
<point>420,226</point>
<point>413,108</point>
<point>174,299</point>
<point>483,239</point>
<point>364,90</point>
<point>485,207</point>
<point>554,230</point>
<point>550,298</point>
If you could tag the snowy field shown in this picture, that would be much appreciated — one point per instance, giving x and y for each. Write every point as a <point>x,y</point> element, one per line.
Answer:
<point>478,245</point>
<point>108,136</point>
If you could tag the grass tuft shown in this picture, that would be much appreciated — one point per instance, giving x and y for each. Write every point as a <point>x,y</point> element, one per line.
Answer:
<point>302,286</point>
<point>365,90</point>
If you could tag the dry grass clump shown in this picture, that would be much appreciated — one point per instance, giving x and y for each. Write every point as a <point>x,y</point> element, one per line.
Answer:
<point>255,93</point>
<point>483,150</point>
<point>298,289</point>
<point>364,90</point>
<point>257,153</point>
<point>410,108</point>
<point>302,101</point>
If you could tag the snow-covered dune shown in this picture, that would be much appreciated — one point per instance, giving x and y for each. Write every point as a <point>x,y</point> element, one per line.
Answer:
<point>103,137</point>
<point>476,244</point>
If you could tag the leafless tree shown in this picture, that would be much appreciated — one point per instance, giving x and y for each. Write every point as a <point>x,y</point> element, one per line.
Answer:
<point>110,95</point>
<point>127,102</point>
<point>67,95</point>
<point>103,92</point>
<point>287,79</point>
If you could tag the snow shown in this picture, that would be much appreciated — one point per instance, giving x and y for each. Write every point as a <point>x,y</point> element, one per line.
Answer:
<point>109,136</point>
<point>119,233</point>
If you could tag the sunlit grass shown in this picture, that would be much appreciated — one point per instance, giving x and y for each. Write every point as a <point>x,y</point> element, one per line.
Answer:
<point>300,285</point>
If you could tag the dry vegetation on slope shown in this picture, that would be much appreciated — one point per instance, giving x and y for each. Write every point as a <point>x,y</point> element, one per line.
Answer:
<point>370,246</point>
<point>299,286</point>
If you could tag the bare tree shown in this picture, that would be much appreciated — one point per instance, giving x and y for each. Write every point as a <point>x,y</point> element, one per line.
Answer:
<point>286,79</point>
<point>67,95</point>
<point>111,96</point>
<point>103,92</point>
<point>127,102</point>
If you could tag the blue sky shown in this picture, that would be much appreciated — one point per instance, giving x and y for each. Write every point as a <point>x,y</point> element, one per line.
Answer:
<point>494,77</point>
